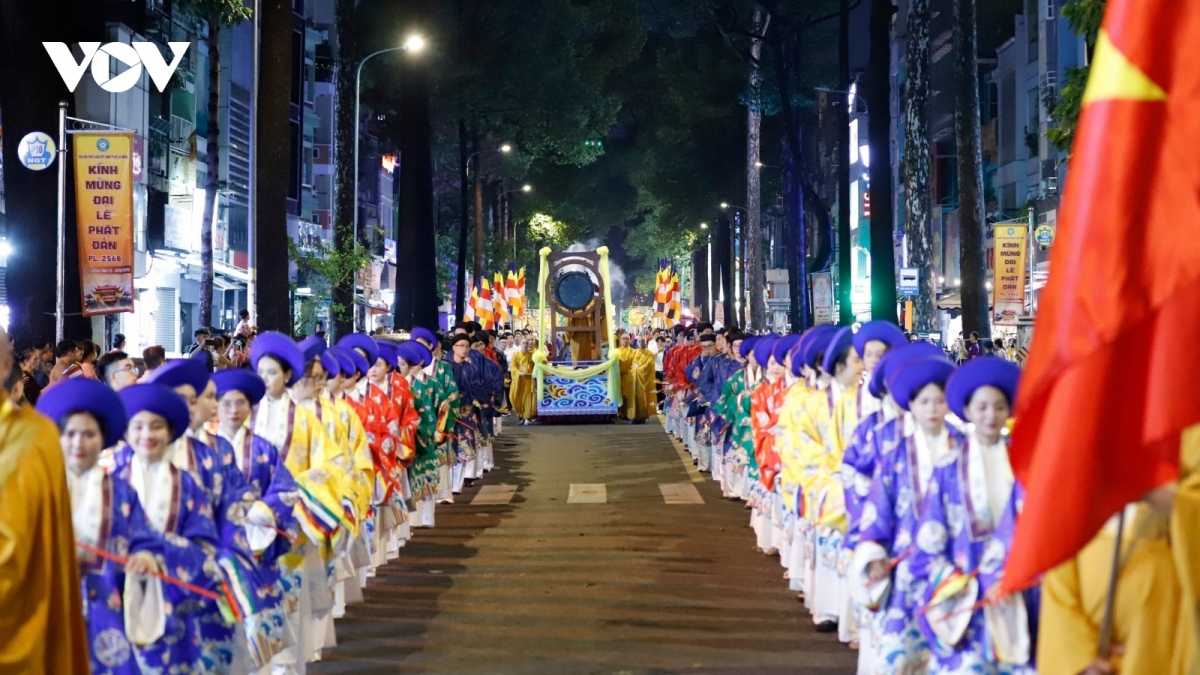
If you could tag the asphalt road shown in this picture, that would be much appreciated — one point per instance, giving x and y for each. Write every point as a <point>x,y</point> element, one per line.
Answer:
<point>579,565</point>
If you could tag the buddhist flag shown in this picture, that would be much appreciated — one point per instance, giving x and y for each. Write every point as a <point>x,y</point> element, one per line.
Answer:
<point>510,291</point>
<point>662,289</point>
<point>1111,377</point>
<point>499,299</point>
<point>675,306</point>
<point>472,305</point>
<point>484,309</point>
<point>521,291</point>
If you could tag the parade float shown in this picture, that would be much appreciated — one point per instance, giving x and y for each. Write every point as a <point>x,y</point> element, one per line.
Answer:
<point>575,364</point>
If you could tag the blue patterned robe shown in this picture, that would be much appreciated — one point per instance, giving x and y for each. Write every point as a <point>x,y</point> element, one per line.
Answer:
<point>256,587</point>
<point>191,542</point>
<point>889,518</point>
<point>873,437</point>
<point>703,423</point>
<point>469,391</point>
<point>120,529</point>
<point>958,537</point>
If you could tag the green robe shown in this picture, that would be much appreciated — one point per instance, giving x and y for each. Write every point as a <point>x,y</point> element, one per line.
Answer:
<point>423,474</point>
<point>734,406</point>
<point>445,389</point>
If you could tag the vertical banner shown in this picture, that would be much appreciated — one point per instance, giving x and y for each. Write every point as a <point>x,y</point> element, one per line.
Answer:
<point>822,298</point>
<point>1008,283</point>
<point>104,215</point>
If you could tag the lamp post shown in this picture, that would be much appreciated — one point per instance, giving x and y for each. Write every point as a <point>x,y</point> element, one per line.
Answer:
<point>414,44</point>
<point>711,308</point>
<point>526,188</point>
<point>737,257</point>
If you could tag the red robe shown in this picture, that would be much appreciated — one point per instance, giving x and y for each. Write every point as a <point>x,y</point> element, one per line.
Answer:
<point>765,403</point>
<point>380,439</point>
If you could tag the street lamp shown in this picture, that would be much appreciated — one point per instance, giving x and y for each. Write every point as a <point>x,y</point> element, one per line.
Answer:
<point>704,226</point>
<point>413,44</point>
<point>526,188</point>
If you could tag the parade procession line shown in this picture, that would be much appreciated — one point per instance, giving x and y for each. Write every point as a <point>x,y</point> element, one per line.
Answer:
<point>539,585</point>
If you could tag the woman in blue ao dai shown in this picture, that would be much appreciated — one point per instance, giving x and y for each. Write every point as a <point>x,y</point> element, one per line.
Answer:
<point>106,515</point>
<point>177,508</point>
<point>881,572</point>
<point>965,533</point>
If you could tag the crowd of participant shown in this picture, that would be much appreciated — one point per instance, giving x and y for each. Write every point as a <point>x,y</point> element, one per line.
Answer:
<point>224,516</point>
<point>877,471</point>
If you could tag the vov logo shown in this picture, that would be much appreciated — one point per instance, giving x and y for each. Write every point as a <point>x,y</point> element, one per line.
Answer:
<point>133,56</point>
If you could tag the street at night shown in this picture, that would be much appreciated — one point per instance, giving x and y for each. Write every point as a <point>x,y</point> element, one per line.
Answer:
<point>599,337</point>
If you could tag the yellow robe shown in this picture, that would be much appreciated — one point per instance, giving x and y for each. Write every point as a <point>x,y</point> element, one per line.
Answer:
<point>360,479</point>
<point>645,365</point>
<point>821,448</point>
<point>522,394</point>
<point>1144,613</point>
<point>791,472</point>
<point>1185,545</point>
<point>637,382</point>
<point>41,610</point>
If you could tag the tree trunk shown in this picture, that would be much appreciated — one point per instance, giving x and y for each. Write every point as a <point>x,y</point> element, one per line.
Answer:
<point>787,63</point>
<point>795,246</point>
<point>971,221</point>
<point>345,192</point>
<point>416,244</point>
<point>842,117</point>
<point>460,290</point>
<point>753,255</point>
<point>877,91</point>
<point>273,141</point>
<point>212,162</point>
<point>918,222</point>
<point>477,268</point>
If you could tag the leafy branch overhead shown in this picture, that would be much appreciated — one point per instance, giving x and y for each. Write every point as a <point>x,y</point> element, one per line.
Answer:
<point>226,12</point>
<point>1084,17</point>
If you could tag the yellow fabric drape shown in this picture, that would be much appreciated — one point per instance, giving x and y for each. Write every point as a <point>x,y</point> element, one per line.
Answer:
<point>41,609</point>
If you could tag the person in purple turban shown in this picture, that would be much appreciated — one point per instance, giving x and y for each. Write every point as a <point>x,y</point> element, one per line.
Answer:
<point>888,524</point>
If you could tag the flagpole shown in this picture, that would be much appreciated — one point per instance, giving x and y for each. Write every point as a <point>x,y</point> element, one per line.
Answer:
<point>60,301</point>
<point>1104,651</point>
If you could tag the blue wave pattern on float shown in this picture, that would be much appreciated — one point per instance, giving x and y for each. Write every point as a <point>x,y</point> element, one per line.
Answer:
<point>565,396</point>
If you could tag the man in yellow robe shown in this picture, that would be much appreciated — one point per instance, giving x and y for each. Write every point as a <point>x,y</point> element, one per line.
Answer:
<point>41,610</point>
<point>1154,626</point>
<point>637,380</point>
<point>522,393</point>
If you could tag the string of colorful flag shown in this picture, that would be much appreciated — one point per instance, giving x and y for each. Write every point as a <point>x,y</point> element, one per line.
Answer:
<point>668,303</point>
<point>499,301</point>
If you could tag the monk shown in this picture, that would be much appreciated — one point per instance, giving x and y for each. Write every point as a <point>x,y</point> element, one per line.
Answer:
<point>41,609</point>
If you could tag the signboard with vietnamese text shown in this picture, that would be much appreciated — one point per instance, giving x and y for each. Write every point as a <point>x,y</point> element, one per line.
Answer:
<point>104,220</point>
<point>822,298</point>
<point>1008,285</point>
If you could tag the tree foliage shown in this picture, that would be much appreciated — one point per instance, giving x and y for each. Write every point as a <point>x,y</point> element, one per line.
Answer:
<point>1084,17</point>
<point>325,267</point>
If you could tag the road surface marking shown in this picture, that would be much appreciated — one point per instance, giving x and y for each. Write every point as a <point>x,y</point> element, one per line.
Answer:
<point>684,456</point>
<point>680,493</point>
<point>587,493</point>
<point>494,494</point>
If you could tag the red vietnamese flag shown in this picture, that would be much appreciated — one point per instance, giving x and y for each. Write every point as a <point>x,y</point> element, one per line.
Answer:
<point>1111,376</point>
